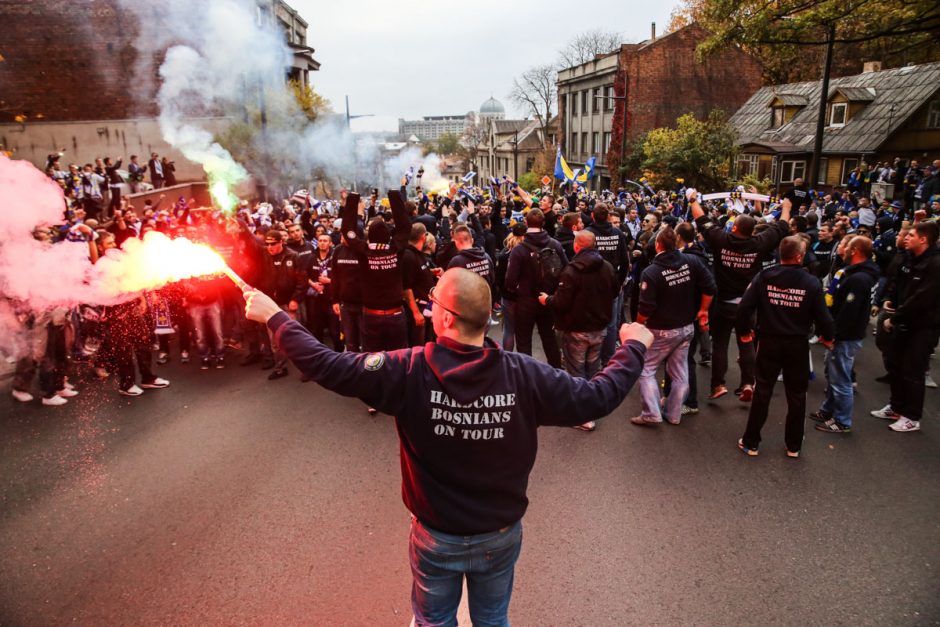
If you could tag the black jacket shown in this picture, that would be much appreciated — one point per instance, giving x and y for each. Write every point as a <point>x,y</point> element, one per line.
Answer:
<point>851,304</point>
<point>585,295</point>
<point>467,416</point>
<point>671,289</point>
<point>346,274</point>
<point>916,291</point>
<point>788,301</point>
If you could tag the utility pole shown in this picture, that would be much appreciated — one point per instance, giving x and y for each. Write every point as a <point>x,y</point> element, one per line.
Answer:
<point>823,97</point>
<point>515,156</point>
<point>353,117</point>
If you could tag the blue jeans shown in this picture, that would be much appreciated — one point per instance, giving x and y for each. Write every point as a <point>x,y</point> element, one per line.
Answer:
<point>839,395</point>
<point>610,342</point>
<point>582,351</point>
<point>439,562</point>
<point>671,346</point>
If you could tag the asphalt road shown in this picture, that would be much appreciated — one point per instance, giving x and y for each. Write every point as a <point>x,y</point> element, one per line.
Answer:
<point>228,499</point>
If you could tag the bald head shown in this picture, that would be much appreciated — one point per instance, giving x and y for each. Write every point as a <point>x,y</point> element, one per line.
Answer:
<point>467,294</point>
<point>582,240</point>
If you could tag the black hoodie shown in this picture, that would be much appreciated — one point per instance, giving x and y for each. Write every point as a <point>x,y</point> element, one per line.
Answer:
<point>611,243</point>
<point>788,301</point>
<point>851,304</point>
<point>522,272</point>
<point>738,259</point>
<point>585,295</point>
<point>671,289</point>
<point>475,260</point>
<point>467,416</point>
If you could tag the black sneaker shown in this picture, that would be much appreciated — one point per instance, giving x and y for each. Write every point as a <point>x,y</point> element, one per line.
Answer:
<point>277,374</point>
<point>267,364</point>
<point>206,364</point>
<point>219,363</point>
<point>833,426</point>
<point>819,416</point>
<point>251,359</point>
<point>885,378</point>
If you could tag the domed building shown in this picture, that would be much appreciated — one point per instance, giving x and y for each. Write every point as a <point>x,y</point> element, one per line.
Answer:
<point>492,109</point>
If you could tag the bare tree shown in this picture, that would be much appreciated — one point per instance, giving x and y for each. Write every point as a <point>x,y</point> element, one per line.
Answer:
<point>587,45</point>
<point>537,92</point>
<point>473,135</point>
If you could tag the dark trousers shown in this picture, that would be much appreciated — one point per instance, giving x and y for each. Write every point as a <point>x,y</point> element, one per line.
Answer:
<point>381,332</point>
<point>791,355</point>
<point>115,200</point>
<point>350,317</point>
<point>130,339</point>
<point>320,318</point>
<point>908,359</point>
<point>529,316</point>
<point>419,335</point>
<point>722,321</point>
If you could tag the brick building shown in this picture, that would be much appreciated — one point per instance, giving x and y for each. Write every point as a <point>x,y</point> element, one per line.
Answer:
<point>71,77</point>
<point>654,82</point>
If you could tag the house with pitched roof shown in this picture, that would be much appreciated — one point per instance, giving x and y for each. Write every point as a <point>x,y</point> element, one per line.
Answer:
<point>870,117</point>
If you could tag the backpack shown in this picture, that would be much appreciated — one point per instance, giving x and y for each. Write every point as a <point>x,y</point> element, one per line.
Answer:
<point>548,265</point>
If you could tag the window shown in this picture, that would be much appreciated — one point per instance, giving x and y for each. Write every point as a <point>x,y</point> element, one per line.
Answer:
<point>823,169</point>
<point>609,103</point>
<point>606,143</point>
<point>551,138</point>
<point>574,103</point>
<point>792,170</point>
<point>778,117</point>
<point>847,166</point>
<point>595,100</point>
<point>573,146</point>
<point>584,101</point>
<point>747,164</point>
<point>933,115</point>
<point>595,142</point>
<point>838,113</point>
<point>584,145</point>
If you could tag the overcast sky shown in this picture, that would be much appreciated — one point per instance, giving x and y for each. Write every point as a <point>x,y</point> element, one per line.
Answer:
<point>424,57</point>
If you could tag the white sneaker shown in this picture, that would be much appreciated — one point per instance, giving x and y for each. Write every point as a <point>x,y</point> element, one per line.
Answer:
<point>67,393</point>
<point>54,401</point>
<point>905,424</point>
<point>814,339</point>
<point>131,391</point>
<point>159,382</point>
<point>929,382</point>
<point>645,420</point>
<point>68,385</point>
<point>23,397</point>
<point>886,413</point>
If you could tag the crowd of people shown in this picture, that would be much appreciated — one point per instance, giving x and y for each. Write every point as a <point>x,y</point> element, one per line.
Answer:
<point>570,267</point>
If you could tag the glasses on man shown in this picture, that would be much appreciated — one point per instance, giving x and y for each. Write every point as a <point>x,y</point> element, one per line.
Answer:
<point>438,303</point>
<point>269,244</point>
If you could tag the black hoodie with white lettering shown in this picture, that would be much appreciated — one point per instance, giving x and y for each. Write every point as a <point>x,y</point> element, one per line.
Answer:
<point>788,301</point>
<point>467,416</point>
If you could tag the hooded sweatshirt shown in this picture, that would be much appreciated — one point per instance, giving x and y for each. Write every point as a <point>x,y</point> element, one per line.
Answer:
<point>671,289</point>
<point>522,273</point>
<point>738,259</point>
<point>585,295</point>
<point>467,416</point>
<point>611,243</point>
<point>475,260</point>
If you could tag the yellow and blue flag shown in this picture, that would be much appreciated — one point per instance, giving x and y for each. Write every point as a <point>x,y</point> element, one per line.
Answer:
<point>562,171</point>
<point>588,173</point>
